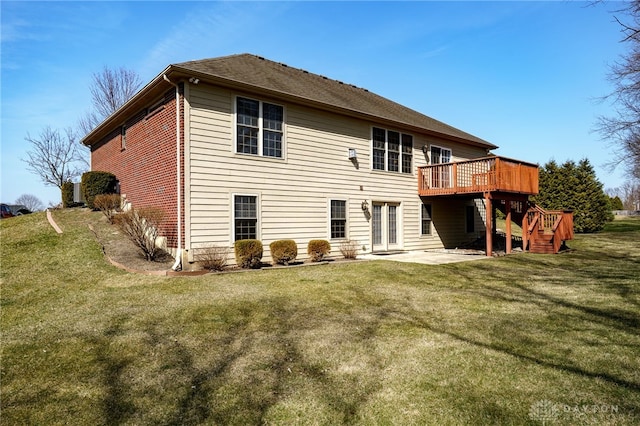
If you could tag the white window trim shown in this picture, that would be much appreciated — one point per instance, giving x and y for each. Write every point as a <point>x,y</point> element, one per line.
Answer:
<point>430,234</point>
<point>442,148</point>
<point>260,154</point>
<point>386,151</point>
<point>346,225</point>
<point>232,215</point>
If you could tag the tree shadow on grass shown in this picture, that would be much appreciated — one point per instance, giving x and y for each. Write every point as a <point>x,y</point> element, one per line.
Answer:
<point>256,364</point>
<point>117,407</point>
<point>608,318</point>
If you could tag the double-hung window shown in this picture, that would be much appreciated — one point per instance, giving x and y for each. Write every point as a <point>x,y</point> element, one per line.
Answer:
<point>392,151</point>
<point>259,128</point>
<point>245,214</point>
<point>425,220</point>
<point>338,219</point>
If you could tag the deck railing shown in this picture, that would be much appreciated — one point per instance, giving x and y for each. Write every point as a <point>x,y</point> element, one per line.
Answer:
<point>478,175</point>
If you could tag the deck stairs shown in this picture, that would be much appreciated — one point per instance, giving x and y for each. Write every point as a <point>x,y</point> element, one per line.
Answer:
<point>545,231</point>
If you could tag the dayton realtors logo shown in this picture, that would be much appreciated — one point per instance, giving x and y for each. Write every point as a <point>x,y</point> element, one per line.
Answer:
<point>547,411</point>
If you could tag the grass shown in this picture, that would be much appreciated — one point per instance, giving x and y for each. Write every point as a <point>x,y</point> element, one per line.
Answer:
<point>483,342</point>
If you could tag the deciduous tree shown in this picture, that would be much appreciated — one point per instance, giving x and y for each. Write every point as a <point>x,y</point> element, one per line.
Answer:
<point>54,157</point>
<point>110,89</point>
<point>623,127</point>
<point>30,201</point>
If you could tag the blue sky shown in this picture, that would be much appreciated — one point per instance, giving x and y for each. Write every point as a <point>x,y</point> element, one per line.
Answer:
<point>522,75</point>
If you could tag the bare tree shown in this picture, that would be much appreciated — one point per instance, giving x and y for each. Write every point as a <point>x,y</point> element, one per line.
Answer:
<point>623,128</point>
<point>30,201</point>
<point>110,89</point>
<point>54,157</point>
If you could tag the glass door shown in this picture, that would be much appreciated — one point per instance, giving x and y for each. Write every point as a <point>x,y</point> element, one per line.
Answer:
<point>385,226</point>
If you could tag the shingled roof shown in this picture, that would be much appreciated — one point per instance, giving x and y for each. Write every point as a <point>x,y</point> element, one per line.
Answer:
<point>255,71</point>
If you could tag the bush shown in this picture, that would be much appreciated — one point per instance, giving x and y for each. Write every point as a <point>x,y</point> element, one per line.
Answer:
<point>349,249</point>
<point>67,194</point>
<point>213,258</point>
<point>284,251</point>
<point>97,183</point>
<point>142,227</point>
<point>318,249</point>
<point>108,204</point>
<point>248,253</point>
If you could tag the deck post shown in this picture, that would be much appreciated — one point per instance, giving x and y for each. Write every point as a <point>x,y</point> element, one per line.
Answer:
<point>508,242</point>
<point>525,230</point>
<point>489,224</point>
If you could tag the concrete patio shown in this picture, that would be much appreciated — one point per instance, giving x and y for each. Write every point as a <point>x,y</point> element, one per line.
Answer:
<point>435,257</point>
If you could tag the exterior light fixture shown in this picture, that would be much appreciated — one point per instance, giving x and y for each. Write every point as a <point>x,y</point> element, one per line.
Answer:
<point>353,154</point>
<point>194,80</point>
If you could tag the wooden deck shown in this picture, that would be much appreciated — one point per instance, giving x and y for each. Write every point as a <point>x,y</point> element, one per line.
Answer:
<point>504,180</point>
<point>482,175</point>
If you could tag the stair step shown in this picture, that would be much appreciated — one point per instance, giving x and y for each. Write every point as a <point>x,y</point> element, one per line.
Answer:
<point>542,246</point>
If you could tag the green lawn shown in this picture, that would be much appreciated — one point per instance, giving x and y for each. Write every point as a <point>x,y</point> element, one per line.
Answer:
<point>520,339</point>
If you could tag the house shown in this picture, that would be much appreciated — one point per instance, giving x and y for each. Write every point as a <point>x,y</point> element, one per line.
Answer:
<point>243,147</point>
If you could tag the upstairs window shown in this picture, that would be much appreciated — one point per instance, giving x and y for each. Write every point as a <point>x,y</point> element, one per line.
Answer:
<point>440,155</point>
<point>392,151</point>
<point>259,128</point>
<point>123,137</point>
<point>407,153</point>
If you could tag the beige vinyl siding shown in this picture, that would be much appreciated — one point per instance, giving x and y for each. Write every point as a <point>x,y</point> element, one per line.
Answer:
<point>294,191</point>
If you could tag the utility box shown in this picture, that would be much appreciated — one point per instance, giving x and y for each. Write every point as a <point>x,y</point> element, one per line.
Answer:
<point>78,196</point>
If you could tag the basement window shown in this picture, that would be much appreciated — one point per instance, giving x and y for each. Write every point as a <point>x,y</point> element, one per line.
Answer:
<point>425,226</point>
<point>338,219</point>
<point>245,216</point>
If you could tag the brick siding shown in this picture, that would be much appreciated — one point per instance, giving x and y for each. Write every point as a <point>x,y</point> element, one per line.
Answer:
<point>146,166</point>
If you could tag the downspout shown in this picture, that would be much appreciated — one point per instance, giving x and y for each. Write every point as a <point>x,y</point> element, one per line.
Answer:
<point>178,264</point>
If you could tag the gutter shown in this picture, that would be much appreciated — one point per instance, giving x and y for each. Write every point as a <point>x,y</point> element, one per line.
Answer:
<point>178,264</point>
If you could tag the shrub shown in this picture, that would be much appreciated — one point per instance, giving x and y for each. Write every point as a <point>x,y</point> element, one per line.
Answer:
<point>284,251</point>
<point>213,258</point>
<point>142,227</point>
<point>67,194</point>
<point>97,183</point>
<point>248,253</point>
<point>318,249</point>
<point>349,249</point>
<point>108,204</point>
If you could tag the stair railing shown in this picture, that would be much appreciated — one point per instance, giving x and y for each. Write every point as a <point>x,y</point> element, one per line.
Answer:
<point>538,221</point>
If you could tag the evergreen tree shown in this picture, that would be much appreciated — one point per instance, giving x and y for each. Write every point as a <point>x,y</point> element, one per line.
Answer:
<point>592,209</point>
<point>616,203</point>
<point>575,187</point>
